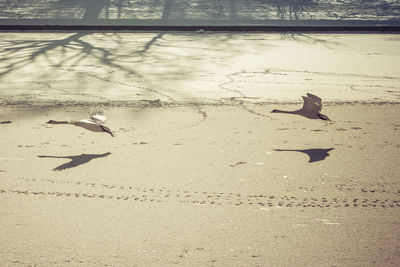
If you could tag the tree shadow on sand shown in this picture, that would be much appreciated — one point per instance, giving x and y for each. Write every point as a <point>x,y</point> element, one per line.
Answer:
<point>316,154</point>
<point>75,160</point>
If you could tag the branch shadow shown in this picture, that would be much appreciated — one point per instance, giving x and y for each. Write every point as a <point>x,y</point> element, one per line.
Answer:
<point>316,154</point>
<point>105,56</point>
<point>28,51</point>
<point>294,9</point>
<point>75,160</point>
<point>116,59</point>
<point>305,38</point>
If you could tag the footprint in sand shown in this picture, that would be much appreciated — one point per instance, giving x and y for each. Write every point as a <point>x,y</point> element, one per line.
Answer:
<point>238,163</point>
<point>178,144</point>
<point>229,198</point>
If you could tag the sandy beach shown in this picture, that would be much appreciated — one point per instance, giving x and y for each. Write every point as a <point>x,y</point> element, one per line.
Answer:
<point>199,173</point>
<point>201,186</point>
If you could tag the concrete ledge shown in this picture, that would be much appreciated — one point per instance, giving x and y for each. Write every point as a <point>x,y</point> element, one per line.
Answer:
<point>194,25</point>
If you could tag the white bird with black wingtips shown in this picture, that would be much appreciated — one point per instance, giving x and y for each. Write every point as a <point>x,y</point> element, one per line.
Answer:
<point>95,123</point>
<point>311,108</point>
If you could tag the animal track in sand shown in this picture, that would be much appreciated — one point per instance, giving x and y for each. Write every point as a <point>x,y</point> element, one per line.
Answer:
<point>124,192</point>
<point>238,163</point>
<point>307,188</point>
<point>28,146</point>
<point>368,188</point>
<point>203,114</point>
<point>213,200</point>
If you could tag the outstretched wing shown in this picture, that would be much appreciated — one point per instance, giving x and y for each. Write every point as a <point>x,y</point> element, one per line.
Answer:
<point>311,105</point>
<point>98,117</point>
<point>316,98</point>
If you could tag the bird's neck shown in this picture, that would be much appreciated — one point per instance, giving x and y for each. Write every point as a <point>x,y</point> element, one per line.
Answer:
<point>60,122</point>
<point>284,111</point>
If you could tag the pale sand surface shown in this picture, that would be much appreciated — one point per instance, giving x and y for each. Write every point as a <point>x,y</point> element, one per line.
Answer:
<point>194,175</point>
<point>86,67</point>
<point>201,186</point>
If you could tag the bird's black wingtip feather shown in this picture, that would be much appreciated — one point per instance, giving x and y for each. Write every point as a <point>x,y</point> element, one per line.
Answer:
<point>323,117</point>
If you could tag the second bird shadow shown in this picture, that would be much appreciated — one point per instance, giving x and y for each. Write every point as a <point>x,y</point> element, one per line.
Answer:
<point>75,160</point>
<point>315,154</point>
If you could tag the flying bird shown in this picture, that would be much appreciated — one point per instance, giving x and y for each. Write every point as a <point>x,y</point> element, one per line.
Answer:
<point>95,123</point>
<point>311,108</point>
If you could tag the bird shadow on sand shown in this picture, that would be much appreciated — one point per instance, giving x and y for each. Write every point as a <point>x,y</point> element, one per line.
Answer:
<point>316,154</point>
<point>75,160</point>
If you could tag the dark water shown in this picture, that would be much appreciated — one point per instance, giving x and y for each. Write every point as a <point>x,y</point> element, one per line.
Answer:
<point>327,13</point>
